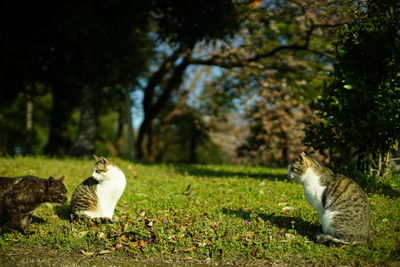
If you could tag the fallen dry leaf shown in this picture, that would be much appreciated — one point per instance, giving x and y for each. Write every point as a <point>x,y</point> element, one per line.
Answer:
<point>119,247</point>
<point>254,252</point>
<point>142,214</point>
<point>104,251</point>
<point>287,209</point>
<point>214,225</point>
<point>189,249</point>
<point>87,253</point>
<point>139,243</point>
<point>260,220</point>
<point>123,237</point>
<point>101,235</point>
<point>249,235</point>
<point>142,243</point>
<point>201,244</point>
<point>289,235</point>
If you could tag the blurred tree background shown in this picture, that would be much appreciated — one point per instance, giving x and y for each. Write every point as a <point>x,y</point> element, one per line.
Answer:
<point>207,81</point>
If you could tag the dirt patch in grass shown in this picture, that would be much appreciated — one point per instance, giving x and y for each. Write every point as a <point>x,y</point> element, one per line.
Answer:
<point>44,257</point>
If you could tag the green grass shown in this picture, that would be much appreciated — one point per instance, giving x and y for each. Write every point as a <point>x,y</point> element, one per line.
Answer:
<point>228,214</point>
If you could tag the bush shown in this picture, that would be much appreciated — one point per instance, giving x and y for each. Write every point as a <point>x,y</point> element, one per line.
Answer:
<point>359,110</point>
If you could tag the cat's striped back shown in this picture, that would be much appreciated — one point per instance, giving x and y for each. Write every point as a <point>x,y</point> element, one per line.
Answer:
<point>84,197</point>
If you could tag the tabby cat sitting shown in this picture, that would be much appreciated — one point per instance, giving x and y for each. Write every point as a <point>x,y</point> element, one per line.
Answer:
<point>342,205</point>
<point>97,196</point>
<point>20,195</point>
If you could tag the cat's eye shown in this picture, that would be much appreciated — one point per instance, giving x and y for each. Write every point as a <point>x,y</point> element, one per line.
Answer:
<point>98,171</point>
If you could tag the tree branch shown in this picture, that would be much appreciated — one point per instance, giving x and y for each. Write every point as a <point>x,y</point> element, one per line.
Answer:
<point>228,62</point>
<point>172,83</point>
<point>157,76</point>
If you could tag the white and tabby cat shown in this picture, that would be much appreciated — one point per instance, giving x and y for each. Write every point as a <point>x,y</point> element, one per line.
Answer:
<point>97,196</point>
<point>342,205</point>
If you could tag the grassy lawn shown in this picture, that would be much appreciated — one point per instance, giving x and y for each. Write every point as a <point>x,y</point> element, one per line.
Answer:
<point>198,214</point>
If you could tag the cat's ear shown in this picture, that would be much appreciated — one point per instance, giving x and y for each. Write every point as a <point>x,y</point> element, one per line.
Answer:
<point>305,159</point>
<point>300,157</point>
<point>61,178</point>
<point>50,181</point>
<point>105,161</point>
<point>96,158</point>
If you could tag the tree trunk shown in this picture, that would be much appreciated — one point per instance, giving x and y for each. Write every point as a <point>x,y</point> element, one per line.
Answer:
<point>120,131</point>
<point>193,143</point>
<point>140,139</point>
<point>128,103</point>
<point>152,110</point>
<point>155,80</point>
<point>29,121</point>
<point>58,142</point>
<point>85,140</point>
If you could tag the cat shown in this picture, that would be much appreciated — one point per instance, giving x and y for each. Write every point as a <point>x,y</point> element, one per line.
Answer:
<point>21,195</point>
<point>97,196</point>
<point>342,205</point>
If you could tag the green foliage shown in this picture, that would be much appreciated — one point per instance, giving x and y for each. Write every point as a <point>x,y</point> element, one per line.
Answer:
<point>13,134</point>
<point>208,214</point>
<point>359,110</point>
<point>183,137</point>
<point>187,22</point>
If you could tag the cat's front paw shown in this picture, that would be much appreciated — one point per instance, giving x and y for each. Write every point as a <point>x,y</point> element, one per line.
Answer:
<point>99,220</point>
<point>78,217</point>
<point>106,220</point>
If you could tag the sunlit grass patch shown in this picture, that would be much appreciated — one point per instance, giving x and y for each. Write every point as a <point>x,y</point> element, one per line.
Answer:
<point>198,213</point>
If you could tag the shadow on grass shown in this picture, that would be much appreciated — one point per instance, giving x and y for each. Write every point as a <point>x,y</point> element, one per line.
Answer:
<point>62,211</point>
<point>205,172</point>
<point>384,189</point>
<point>304,228</point>
<point>388,186</point>
<point>36,219</point>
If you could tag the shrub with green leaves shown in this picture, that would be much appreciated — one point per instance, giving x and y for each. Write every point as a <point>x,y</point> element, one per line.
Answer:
<point>359,110</point>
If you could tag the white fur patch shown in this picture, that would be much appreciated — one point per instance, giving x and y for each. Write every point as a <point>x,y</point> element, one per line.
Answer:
<point>313,191</point>
<point>90,214</point>
<point>109,190</point>
<point>290,173</point>
<point>326,221</point>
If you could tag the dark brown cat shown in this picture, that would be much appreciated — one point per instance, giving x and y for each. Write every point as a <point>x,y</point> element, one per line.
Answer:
<point>20,195</point>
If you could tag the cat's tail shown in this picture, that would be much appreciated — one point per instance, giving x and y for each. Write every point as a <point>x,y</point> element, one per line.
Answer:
<point>326,239</point>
